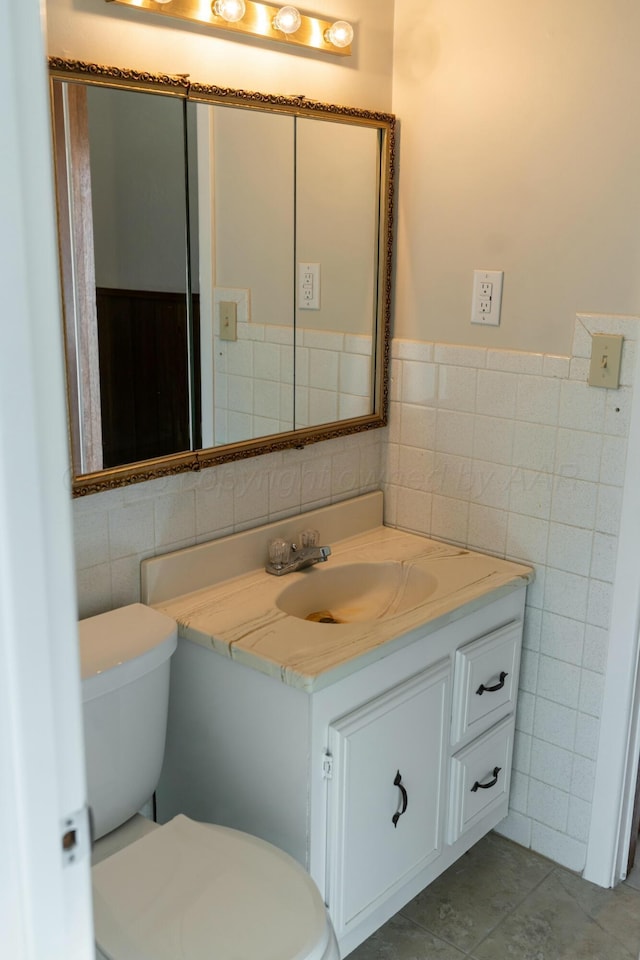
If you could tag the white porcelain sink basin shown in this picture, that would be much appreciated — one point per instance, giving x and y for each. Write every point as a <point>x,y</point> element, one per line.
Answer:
<point>356,592</point>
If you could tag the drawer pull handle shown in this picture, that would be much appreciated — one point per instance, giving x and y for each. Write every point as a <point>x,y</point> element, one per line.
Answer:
<point>487,786</point>
<point>405,799</point>
<point>497,686</point>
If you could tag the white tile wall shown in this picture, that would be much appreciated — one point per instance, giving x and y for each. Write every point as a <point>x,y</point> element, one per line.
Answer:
<point>513,453</point>
<point>115,530</point>
<point>332,376</point>
<point>506,452</point>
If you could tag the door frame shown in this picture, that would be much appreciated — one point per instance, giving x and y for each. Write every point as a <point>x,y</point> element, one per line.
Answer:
<point>619,740</point>
<point>45,893</point>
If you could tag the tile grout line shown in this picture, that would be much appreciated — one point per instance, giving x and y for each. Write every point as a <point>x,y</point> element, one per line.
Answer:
<point>582,910</point>
<point>436,936</point>
<point>468,953</point>
<point>513,909</point>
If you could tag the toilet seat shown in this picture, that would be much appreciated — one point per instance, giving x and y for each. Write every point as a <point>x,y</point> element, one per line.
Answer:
<point>195,891</point>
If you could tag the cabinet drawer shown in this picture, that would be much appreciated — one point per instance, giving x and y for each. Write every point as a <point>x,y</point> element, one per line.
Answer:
<point>480,777</point>
<point>485,682</point>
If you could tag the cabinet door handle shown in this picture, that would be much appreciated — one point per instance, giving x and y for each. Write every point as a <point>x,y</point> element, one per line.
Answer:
<point>497,686</point>
<point>487,786</point>
<point>405,799</point>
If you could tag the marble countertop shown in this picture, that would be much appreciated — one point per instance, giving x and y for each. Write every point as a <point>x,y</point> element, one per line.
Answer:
<point>240,618</point>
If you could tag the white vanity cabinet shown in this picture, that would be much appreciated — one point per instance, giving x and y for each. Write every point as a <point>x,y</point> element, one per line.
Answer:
<point>376,782</point>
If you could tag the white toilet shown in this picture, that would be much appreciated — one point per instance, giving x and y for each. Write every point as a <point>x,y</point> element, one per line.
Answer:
<point>185,890</point>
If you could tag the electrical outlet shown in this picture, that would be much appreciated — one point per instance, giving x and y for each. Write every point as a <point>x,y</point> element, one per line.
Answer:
<point>309,286</point>
<point>487,297</point>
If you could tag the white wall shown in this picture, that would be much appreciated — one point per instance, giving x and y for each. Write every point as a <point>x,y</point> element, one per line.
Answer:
<point>265,162</point>
<point>137,155</point>
<point>337,174</point>
<point>253,212</point>
<point>519,151</point>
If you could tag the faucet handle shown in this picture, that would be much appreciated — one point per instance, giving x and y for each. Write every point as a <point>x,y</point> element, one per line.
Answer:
<point>279,552</point>
<point>310,538</point>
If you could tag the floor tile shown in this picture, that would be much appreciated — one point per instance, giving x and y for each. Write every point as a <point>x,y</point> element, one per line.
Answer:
<point>633,878</point>
<point>400,939</point>
<point>551,924</point>
<point>503,902</point>
<point>616,911</point>
<point>478,891</point>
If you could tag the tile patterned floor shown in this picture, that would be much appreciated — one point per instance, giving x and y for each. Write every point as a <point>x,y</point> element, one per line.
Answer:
<point>502,902</point>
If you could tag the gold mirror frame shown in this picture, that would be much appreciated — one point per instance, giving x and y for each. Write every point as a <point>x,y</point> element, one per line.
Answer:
<point>180,86</point>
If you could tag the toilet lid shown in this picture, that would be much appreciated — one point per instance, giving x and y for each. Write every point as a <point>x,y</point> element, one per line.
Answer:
<point>194,891</point>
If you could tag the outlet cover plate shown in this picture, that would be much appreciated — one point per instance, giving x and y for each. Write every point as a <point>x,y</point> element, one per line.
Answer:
<point>487,297</point>
<point>308,286</point>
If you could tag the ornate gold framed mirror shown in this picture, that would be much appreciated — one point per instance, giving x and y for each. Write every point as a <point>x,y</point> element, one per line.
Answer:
<point>226,267</point>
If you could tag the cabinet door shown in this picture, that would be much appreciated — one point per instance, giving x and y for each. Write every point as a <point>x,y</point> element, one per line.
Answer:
<point>386,811</point>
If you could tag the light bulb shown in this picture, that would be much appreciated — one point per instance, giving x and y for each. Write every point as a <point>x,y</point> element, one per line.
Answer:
<point>340,34</point>
<point>229,10</point>
<point>287,20</point>
<point>163,1</point>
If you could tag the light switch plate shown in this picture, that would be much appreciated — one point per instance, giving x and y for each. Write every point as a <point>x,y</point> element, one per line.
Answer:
<point>606,356</point>
<point>228,320</point>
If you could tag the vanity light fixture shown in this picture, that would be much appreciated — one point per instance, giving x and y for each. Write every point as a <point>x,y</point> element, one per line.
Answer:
<point>287,20</point>
<point>284,24</point>
<point>229,10</point>
<point>340,34</point>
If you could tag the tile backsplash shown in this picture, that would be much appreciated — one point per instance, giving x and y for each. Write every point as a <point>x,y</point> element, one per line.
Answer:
<point>115,530</point>
<point>505,452</point>
<point>515,455</point>
<point>254,390</point>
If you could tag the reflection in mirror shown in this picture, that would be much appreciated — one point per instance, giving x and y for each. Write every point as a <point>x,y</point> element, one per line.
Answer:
<point>247,230</point>
<point>127,219</point>
<point>226,271</point>
<point>337,190</point>
<point>139,204</point>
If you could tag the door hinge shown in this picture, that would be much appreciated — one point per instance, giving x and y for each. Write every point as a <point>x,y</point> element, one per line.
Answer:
<point>75,838</point>
<point>327,766</point>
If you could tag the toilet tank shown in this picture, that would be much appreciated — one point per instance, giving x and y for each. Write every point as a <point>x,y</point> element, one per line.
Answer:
<point>124,658</point>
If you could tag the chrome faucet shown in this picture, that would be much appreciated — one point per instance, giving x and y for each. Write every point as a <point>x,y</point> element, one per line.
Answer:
<point>285,557</point>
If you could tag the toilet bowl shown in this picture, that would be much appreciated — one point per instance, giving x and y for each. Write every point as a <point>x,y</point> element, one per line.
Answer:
<point>186,890</point>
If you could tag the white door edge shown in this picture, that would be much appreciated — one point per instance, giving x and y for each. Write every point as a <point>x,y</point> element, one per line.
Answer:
<point>45,896</point>
<point>619,740</point>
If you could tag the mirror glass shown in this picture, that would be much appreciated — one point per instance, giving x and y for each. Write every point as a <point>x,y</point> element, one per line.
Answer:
<point>139,195</point>
<point>225,272</point>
